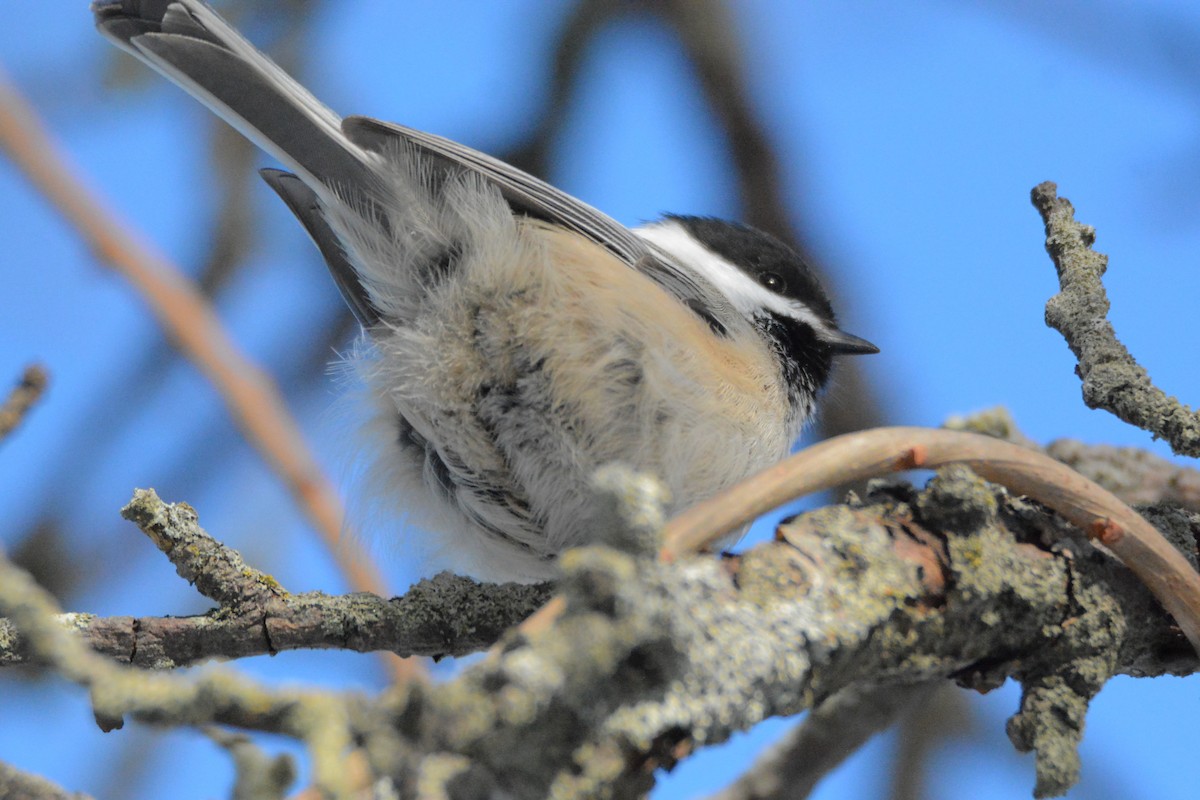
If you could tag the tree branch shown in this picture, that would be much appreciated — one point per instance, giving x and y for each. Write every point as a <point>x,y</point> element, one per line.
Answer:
<point>1112,379</point>
<point>831,733</point>
<point>650,660</point>
<point>444,616</point>
<point>18,785</point>
<point>942,583</point>
<point>1171,577</point>
<point>22,398</point>
<point>1135,476</point>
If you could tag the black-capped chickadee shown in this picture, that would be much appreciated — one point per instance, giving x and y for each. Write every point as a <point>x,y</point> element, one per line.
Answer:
<point>520,339</point>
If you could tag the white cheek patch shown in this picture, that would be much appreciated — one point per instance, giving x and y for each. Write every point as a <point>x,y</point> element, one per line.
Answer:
<point>746,294</point>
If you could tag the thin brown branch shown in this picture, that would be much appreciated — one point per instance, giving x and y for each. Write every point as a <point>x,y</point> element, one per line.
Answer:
<point>440,617</point>
<point>249,395</point>
<point>22,398</point>
<point>860,455</point>
<point>1112,379</point>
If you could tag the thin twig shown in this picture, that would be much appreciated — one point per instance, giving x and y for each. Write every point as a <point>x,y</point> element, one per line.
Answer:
<point>216,570</point>
<point>22,398</point>
<point>447,615</point>
<point>316,718</point>
<point>16,785</point>
<point>251,398</point>
<point>1112,379</point>
<point>856,456</point>
<point>833,731</point>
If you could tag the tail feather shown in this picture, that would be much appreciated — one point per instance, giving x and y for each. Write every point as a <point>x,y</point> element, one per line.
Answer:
<point>303,202</point>
<point>347,171</point>
<point>192,46</point>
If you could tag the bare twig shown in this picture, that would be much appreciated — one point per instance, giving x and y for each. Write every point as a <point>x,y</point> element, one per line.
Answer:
<point>867,453</point>
<point>249,394</point>
<point>1112,379</point>
<point>22,398</point>
<point>443,616</point>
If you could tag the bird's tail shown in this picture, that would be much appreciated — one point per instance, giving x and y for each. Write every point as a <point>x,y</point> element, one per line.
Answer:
<point>194,47</point>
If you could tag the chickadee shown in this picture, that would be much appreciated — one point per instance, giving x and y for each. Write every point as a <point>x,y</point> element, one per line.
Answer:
<point>519,338</point>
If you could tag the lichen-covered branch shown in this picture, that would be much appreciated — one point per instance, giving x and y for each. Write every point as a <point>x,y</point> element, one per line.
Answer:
<point>444,616</point>
<point>863,454</point>
<point>320,720</point>
<point>947,583</point>
<point>1112,379</point>
<point>649,661</point>
<point>1135,476</point>
<point>18,785</point>
<point>218,572</point>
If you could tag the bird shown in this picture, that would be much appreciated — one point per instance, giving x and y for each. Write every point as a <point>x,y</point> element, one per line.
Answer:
<point>515,339</point>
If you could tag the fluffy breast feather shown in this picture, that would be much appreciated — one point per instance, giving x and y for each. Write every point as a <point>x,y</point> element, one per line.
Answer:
<point>538,357</point>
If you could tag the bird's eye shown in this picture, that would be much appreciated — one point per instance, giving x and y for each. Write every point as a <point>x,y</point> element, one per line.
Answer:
<point>773,281</point>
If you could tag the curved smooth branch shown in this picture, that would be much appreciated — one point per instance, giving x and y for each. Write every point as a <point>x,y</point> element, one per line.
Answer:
<point>865,454</point>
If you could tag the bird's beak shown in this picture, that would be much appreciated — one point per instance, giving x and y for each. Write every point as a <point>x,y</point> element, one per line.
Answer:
<point>847,344</point>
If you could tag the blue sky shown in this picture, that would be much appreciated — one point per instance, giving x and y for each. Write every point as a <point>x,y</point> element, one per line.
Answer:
<point>909,136</point>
